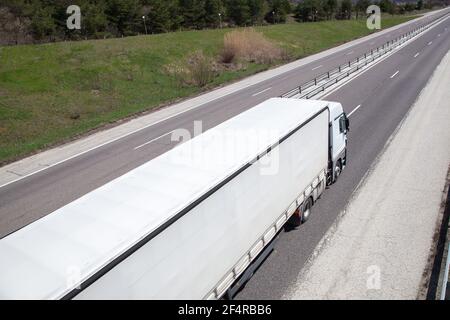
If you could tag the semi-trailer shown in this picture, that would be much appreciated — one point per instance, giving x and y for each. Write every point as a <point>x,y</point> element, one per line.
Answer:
<point>190,224</point>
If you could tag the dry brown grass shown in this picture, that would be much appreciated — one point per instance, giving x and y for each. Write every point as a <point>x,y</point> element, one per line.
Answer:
<point>197,70</point>
<point>249,45</point>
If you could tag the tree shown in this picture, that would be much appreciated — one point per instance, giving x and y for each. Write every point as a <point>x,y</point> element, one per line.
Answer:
<point>193,13</point>
<point>330,7</point>
<point>278,11</point>
<point>257,10</point>
<point>42,23</point>
<point>124,15</point>
<point>409,7</point>
<point>310,10</point>
<point>212,10</point>
<point>13,29</point>
<point>94,20</point>
<point>302,12</point>
<point>345,11</point>
<point>158,18</point>
<point>361,7</point>
<point>176,17</point>
<point>387,6</point>
<point>419,5</point>
<point>238,12</point>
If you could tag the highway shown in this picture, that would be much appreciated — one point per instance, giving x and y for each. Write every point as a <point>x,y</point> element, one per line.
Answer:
<point>377,101</point>
<point>380,99</point>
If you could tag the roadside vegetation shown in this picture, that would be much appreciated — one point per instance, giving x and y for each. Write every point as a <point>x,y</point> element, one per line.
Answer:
<point>40,21</point>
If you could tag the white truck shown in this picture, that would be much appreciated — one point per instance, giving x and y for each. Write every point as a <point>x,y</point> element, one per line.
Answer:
<point>191,224</point>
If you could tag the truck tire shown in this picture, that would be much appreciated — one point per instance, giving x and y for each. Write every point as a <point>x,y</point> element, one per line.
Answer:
<point>337,170</point>
<point>307,210</point>
<point>296,219</point>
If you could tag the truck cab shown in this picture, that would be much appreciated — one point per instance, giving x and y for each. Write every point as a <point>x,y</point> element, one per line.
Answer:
<point>339,128</point>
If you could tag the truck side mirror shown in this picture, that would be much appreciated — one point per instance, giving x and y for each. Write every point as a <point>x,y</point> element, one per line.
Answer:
<point>344,124</point>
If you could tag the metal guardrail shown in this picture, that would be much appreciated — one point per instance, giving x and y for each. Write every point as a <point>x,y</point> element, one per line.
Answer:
<point>327,79</point>
<point>445,283</point>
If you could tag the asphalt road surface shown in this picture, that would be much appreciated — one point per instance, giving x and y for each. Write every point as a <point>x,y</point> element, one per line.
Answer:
<point>383,94</point>
<point>384,97</point>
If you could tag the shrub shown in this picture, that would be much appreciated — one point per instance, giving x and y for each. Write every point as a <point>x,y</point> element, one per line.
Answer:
<point>228,54</point>
<point>200,69</point>
<point>197,70</point>
<point>249,45</point>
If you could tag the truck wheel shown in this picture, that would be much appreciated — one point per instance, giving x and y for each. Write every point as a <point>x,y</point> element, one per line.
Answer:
<point>295,220</point>
<point>307,210</point>
<point>337,170</point>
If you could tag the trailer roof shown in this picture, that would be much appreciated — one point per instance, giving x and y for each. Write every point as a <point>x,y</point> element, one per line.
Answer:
<point>50,257</point>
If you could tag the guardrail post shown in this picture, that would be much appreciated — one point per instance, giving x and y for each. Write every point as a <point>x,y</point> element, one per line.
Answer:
<point>328,74</point>
<point>315,81</point>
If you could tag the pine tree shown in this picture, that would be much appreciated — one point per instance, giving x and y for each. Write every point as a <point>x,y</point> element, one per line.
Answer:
<point>158,19</point>
<point>387,6</point>
<point>278,10</point>
<point>42,23</point>
<point>419,5</point>
<point>330,7</point>
<point>257,10</point>
<point>238,12</point>
<point>307,10</point>
<point>212,10</point>
<point>193,13</point>
<point>176,17</point>
<point>346,9</point>
<point>94,20</point>
<point>124,16</point>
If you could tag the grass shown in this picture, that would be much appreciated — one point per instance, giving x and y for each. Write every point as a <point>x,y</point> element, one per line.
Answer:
<point>53,92</point>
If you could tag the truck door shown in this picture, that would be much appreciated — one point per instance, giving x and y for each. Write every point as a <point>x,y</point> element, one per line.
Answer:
<point>339,138</point>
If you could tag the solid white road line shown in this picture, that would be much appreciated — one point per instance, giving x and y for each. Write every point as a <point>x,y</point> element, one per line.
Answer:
<point>153,140</point>
<point>258,93</point>
<point>349,53</point>
<point>356,109</point>
<point>393,76</point>
<point>344,83</point>
<point>316,67</point>
<point>417,54</point>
